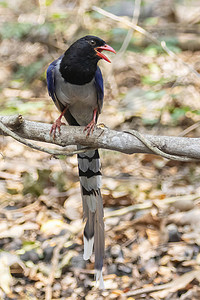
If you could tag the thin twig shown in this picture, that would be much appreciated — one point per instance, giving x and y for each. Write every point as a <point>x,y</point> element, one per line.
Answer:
<point>131,208</point>
<point>189,129</point>
<point>174,285</point>
<point>155,149</point>
<point>148,204</point>
<point>126,22</point>
<point>136,13</point>
<point>43,11</point>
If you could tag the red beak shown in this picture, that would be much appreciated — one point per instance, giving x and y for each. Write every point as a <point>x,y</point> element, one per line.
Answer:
<point>106,48</point>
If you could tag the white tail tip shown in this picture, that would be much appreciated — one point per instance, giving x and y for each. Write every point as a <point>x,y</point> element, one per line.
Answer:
<point>99,279</point>
<point>88,247</point>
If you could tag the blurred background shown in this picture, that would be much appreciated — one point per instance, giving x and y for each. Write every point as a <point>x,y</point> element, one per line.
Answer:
<point>155,240</point>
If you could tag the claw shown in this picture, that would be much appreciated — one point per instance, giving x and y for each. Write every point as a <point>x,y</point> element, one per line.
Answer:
<point>90,127</point>
<point>56,124</point>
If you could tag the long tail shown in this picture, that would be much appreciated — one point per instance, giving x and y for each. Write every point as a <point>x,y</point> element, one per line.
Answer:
<point>90,179</point>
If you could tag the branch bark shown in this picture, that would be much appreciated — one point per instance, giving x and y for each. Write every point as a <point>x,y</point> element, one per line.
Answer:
<point>102,137</point>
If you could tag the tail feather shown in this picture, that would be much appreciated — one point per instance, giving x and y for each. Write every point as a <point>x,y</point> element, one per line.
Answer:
<point>88,236</point>
<point>99,241</point>
<point>99,234</point>
<point>99,278</point>
<point>90,179</point>
<point>92,183</point>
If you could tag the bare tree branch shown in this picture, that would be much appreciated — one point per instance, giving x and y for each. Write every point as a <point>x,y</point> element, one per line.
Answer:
<point>20,139</point>
<point>181,148</point>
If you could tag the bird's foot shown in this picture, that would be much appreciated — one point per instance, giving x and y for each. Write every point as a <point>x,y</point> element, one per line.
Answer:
<point>90,127</point>
<point>56,124</point>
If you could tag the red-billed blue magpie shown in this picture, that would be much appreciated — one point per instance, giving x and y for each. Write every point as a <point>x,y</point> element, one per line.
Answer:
<point>75,84</point>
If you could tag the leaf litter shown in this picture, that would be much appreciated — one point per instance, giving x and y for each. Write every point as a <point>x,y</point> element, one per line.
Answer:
<point>151,205</point>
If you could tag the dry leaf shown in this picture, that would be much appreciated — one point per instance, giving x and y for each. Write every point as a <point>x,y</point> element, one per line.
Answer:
<point>5,278</point>
<point>153,236</point>
<point>177,284</point>
<point>53,226</point>
<point>6,261</point>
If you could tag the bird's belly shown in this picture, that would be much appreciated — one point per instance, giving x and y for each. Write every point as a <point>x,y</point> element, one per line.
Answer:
<point>83,114</point>
<point>82,100</point>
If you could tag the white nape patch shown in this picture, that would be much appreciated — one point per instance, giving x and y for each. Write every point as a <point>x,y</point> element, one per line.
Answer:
<point>99,279</point>
<point>92,183</point>
<point>88,247</point>
<point>93,165</point>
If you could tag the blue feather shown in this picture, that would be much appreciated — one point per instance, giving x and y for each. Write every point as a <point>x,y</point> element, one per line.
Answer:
<point>51,78</point>
<point>99,86</point>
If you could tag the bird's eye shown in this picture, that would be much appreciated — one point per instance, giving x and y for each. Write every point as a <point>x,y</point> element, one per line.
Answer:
<point>92,43</point>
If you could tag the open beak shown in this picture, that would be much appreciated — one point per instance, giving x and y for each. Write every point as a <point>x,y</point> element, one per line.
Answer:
<point>106,48</point>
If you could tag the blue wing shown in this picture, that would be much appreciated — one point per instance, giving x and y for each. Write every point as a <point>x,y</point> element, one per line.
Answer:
<point>51,79</point>
<point>99,87</point>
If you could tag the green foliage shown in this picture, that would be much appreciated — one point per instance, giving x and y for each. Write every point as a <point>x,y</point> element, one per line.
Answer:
<point>35,186</point>
<point>35,183</point>
<point>154,95</point>
<point>153,49</point>
<point>117,32</point>
<point>178,113</point>
<point>59,15</point>
<point>3,4</point>
<point>154,77</point>
<point>48,2</point>
<point>150,122</point>
<point>28,245</point>
<point>47,28</point>
<point>18,30</point>
<point>59,180</point>
<point>12,191</point>
<point>151,81</point>
<point>14,30</point>
<point>117,36</point>
<point>17,106</point>
<point>172,44</point>
<point>96,15</point>
<point>197,112</point>
<point>27,73</point>
<point>152,21</point>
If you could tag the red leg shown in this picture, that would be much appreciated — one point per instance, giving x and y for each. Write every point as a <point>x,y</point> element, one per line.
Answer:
<point>90,127</point>
<point>57,123</point>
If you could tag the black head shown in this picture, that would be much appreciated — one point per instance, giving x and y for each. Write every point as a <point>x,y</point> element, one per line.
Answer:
<point>92,46</point>
<point>79,63</point>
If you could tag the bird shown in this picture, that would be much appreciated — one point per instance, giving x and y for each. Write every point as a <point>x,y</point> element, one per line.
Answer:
<point>75,84</point>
